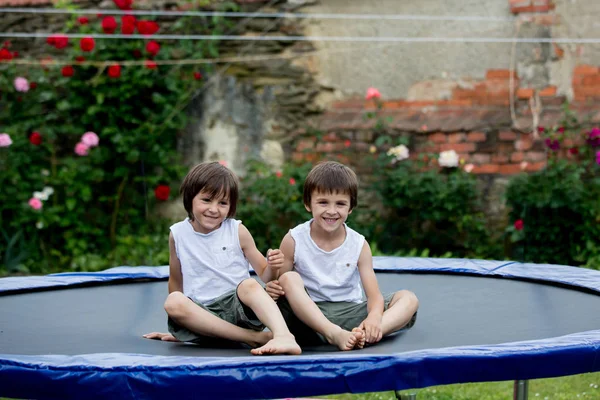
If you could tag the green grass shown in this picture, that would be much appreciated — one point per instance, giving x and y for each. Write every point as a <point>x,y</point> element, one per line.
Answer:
<point>576,387</point>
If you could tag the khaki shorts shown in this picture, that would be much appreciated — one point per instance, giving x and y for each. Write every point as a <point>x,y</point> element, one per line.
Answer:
<point>229,308</point>
<point>344,314</point>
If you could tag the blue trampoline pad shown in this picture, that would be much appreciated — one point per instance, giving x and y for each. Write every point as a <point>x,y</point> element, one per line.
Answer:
<point>76,335</point>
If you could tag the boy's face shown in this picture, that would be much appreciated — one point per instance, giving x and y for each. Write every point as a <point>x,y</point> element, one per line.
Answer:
<point>329,210</point>
<point>209,212</point>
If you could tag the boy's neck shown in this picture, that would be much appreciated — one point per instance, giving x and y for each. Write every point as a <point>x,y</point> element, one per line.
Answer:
<point>327,241</point>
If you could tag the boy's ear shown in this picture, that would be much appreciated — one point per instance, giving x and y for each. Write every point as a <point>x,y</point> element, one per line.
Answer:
<point>307,208</point>
<point>350,212</point>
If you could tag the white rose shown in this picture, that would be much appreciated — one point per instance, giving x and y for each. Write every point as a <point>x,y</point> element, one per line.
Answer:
<point>48,190</point>
<point>448,159</point>
<point>399,153</point>
<point>43,196</point>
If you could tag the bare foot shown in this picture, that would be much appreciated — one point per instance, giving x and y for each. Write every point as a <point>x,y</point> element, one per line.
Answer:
<point>279,345</point>
<point>360,343</point>
<point>165,337</point>
<point>345,340</point>
<point>260,339</point>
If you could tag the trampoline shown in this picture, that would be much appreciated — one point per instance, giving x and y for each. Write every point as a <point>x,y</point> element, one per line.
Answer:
<point>76,335</point>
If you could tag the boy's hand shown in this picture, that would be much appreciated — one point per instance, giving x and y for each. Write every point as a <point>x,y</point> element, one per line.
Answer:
<point>274,290</point>
<point>371,326</point>
<point>275,260</point>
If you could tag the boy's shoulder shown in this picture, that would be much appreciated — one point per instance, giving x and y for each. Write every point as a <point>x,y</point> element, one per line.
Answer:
<point>179,225</point>
<point>301,227</point>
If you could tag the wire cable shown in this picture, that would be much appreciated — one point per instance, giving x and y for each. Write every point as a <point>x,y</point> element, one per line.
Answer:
<point>370,39</point>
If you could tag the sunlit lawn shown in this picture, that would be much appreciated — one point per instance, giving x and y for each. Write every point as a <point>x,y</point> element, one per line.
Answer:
<point>585,386</point>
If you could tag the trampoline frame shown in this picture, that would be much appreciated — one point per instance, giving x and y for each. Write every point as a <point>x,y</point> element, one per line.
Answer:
<point>140,375</point>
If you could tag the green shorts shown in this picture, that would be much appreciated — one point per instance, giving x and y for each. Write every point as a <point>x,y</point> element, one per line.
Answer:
<point>344,314</point>
<point>229,308</point>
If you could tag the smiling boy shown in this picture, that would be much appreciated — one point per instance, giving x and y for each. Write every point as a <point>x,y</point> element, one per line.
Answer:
<point>327,265</point>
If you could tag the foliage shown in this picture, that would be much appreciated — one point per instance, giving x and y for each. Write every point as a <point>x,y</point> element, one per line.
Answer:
<point>432,203</point>
<point>67,196</point>
<point>559,206</point>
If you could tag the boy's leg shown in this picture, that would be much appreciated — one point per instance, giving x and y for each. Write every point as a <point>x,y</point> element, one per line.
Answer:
<point>400,311</point>
<point>252,294</point>
<point>189,315</point>
<point>308,312</point>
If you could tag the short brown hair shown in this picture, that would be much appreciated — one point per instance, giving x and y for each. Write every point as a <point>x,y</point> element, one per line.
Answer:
<point>331,177</point>
<point>215,179</point>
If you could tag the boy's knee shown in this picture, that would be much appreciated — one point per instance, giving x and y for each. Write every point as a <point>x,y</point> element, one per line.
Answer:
<point>290,278</point>
<point>248,285</point>
<point>175,304</point>
<point>409,297</point>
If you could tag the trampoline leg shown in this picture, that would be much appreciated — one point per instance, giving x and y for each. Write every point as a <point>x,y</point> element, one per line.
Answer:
<point>521,389</point>
<point>410,396</point>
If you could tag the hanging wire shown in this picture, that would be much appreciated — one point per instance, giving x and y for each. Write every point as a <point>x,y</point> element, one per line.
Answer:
<point>358,39</point>
<point>253,15</point>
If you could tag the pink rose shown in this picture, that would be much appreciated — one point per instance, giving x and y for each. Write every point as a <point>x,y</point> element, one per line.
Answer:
<point>5,140</point>
<point>21,84</point>
<point>90,139</point>
<point>81,149</point>
<point>34,203</point>
<point>372,93</point>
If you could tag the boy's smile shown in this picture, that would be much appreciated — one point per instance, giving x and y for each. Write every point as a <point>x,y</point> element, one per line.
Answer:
<point>329,210</point>
<point>209,212</point>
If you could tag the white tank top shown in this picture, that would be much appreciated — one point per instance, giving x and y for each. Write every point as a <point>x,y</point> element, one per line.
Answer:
<point>329,275</point>
<point>211,264</point>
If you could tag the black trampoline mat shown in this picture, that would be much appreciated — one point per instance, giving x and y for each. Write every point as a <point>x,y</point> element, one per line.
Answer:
<point>454,311</point>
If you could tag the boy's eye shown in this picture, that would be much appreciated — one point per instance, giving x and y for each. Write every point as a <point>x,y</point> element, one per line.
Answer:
<point>223,203</point>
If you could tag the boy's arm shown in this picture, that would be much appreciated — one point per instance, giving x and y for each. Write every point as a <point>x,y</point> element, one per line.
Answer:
<point>175,275</point>
<point>369,282</point>
<point>265,268</point>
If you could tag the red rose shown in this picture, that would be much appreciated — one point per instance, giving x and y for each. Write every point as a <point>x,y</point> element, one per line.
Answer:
<point>197,76</point>
<point>67,71</point>
<point>150,64</point>
<point>292,181</point>
<point>152,47</point>
<point>109,25</point>
<point>347,143</point>
<point>87,44</point>
<point>35,138</point>
<point>58,41</point>
<point>137,53</point>
<point>572,150</point>
<point>80,59</point>
<point>7,44</point>
<point>83,20</point>
<point>114,71</point>
<point>5,54</point>
<point>127,24</point>
<point>123,4</point>
<point>519,224</point>
<point>162,192</point>
<point>32,85</point>
<point>15,54</point>
<point>147,27</point>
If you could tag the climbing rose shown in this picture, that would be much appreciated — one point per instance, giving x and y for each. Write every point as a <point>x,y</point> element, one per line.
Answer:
<point>152,48</point>
<point>598,158</point>
<point>292,181</point>
<point>127,24</point>
<point>35,138</point>
<point>279,174</point>
<point>448,159</point>
<point>81,149</point>
<point>150,64</point>
<point>58,41</point>
<point>87,44</point>
<point>162,192</point>
<point>519,224</point>
<point>372,93</point>
<point>21,84</point>
<point>5,140</point>
<point>83,20</point>
<point>123,4</point>
<point>90,139</point>
<point>114,71</point>
<point>109,25</point>
<point>34,203</point>
<point>67,71</point>
<point>197,76</point>
<point>5,54</point>
<point>147,27</point>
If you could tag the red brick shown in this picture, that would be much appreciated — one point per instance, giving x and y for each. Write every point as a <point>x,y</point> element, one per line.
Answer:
<point>500,74</point>
<point>507,135</point>
<point>326,147</point>
<point>548,91</point>
<point>510,169</point>
<point>591,80</point>
<point>438,138</point>
<point>330,137</point>
<point>305,144</point>
<point>476,137</point>
<point>587,91</point>
<point>480,158</point>
<point>458,147</point>
<point>298,156</point>
<point>535,156</point>
<point>584,69</point>
<point>537,166</point>
<point>517,156</point>
<point>523,144</point>
<point>486,169</point>
<point>525,93</point>
<point>499,158</point>
<point>456,137</point>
